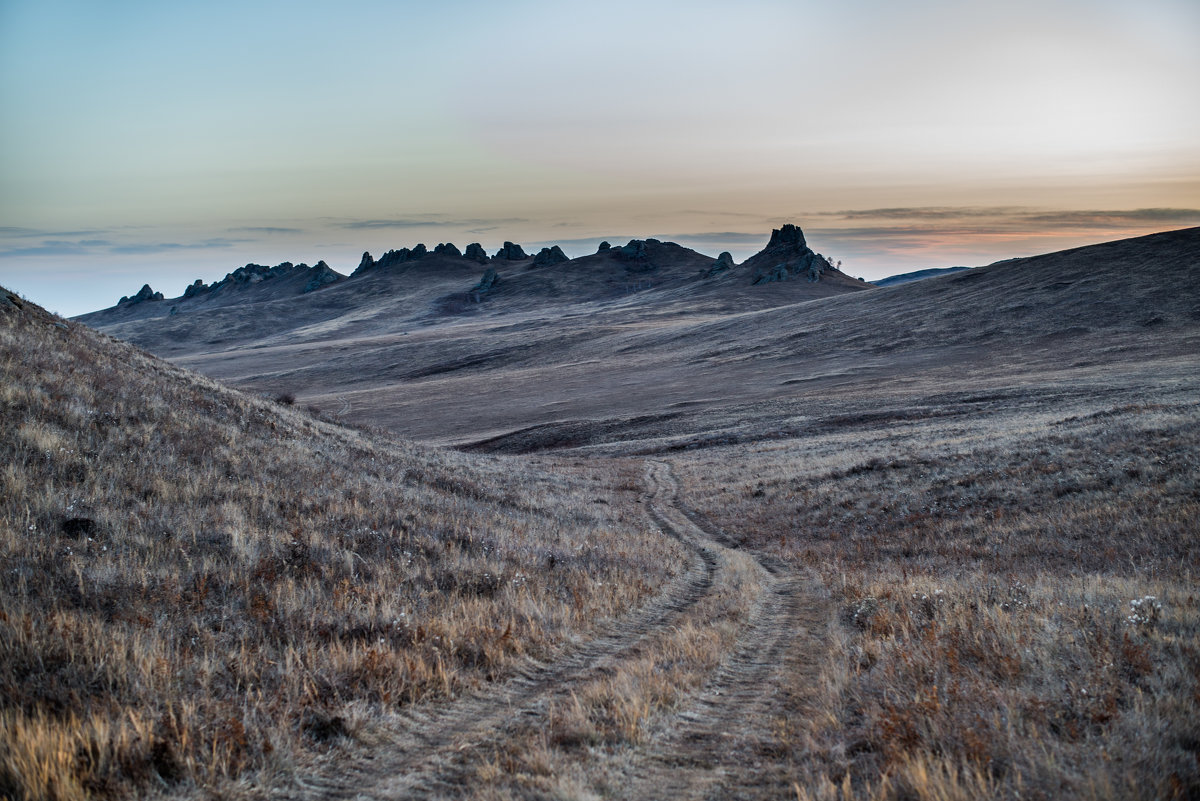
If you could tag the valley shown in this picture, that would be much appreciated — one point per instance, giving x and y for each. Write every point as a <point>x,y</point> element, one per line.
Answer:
<point>643,524</point>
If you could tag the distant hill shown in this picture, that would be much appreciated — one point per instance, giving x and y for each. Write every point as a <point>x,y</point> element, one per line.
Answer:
<point>918,275</point>
<point>1082,312</point>
<point>602,341</point>
<point>417,287</point>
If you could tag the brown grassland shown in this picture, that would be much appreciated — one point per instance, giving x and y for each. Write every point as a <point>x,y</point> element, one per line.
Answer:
<point>935,542</point>
<point>1018,612</point>
<point>200,585</point>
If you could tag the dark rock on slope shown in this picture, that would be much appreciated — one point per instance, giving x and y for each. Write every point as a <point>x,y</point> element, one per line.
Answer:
<point>475,252</point>
<point>511,252</point>
<point>365,265</point>
<point>548,256</point>
<point>787,256</point>
<point>724,262</point>
<point>321,275</point>
<point>487,282</point>
<point>251,283</point>
<point>393,258</point>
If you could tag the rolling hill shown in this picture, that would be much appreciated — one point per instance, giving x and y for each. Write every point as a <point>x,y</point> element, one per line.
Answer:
<point>672,358</point>
<point>917,275</point>
<point>935,540</point>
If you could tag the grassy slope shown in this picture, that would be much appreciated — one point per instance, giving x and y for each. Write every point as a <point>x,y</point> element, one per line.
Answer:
<point>985,511</point>
<point>1019,615</point>
<point>1012,540</point>
<point>200,584</point>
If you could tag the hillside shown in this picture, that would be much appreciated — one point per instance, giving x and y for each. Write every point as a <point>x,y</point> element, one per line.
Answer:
<point>667,366</point>
<point>202,585</point>
<point>917,275</point>
<point>929,541</point>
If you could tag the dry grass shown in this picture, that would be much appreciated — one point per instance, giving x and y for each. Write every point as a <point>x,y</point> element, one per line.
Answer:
<point>611,716</point>
<point>575,748</point>
<point>205,592</point>
<point>1018,591</point>
<point>201,586</point>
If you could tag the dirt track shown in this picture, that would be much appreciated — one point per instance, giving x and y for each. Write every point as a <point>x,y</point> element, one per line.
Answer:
<point>718,742</point>
<point>724,743</point>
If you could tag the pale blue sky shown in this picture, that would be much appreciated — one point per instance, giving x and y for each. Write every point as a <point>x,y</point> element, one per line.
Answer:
<point>164,141</point>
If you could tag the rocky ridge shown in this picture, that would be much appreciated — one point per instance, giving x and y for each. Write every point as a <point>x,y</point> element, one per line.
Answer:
<point>785,257</point>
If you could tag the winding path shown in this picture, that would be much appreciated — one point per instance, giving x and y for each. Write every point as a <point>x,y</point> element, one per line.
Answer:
<point>724,744</point>
<point>714,744</point>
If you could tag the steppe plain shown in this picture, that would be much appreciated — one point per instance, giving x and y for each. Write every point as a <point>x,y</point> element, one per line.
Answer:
<point>625,526</point>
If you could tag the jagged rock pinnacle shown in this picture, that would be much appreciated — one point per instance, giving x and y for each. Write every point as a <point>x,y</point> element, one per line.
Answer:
<point>475,252</point>
<point>789,236</point>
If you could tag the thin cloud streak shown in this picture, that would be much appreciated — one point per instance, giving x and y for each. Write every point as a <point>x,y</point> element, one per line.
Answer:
<point>45,249</point>
<point>165,247</point>
<point>719,237</point>
<point>1119,217</point>
<point>927,212</point>
<point>1021,216</point>
<point>266,229</point>
<point>18,232</point>
<point>359,225</point>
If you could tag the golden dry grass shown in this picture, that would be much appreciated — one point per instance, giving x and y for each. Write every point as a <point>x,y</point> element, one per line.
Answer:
<point>202,586</point>
<point>1019,614</point>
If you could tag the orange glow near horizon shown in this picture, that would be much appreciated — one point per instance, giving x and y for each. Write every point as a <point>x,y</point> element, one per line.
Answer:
<point>159,143</point>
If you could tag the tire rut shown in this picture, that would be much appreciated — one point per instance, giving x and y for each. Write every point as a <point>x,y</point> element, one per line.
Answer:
<point>720,744</point>
<point>422,752</point>
<point>724,743</point>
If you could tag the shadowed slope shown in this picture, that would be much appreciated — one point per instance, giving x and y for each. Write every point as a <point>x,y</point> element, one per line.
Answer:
<point>628,370</point>
<point>694,351</point>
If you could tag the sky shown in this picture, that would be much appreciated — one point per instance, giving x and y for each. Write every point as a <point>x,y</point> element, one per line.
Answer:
<point>160,141</point>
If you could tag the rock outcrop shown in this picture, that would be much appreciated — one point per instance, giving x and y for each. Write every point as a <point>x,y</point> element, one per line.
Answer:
<point>10,301</point>
<point>723,263</point>
<point>144,294</point>
<point>548,256</point>
<point>635,256</point>
<point>636,249</point>
<point>486,283</point>
<point>365,265</point>
<point>787,256</point>
<point>475,252</point>
<point>196,288</point>
<point>252,274</point>
<point>447,249</point>
<point>393,258</point>
<point>511,252</point>
<point>321,275</point>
